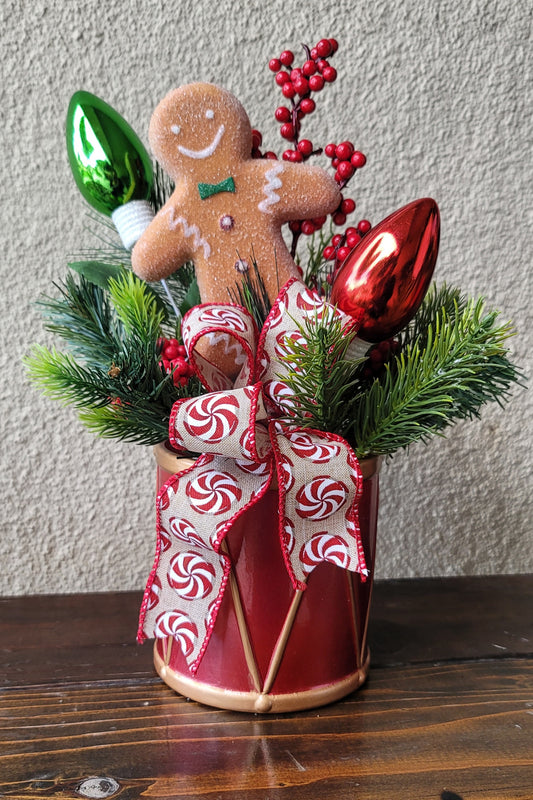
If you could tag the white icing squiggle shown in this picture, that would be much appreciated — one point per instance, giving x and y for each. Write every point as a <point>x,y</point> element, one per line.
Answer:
<point>207,151</point>
<point>272,183</point>
<point>225,339</point>
<point>188,230</point>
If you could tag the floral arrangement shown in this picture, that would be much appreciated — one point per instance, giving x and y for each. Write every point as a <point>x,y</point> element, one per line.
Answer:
<point>245,321</point>
<point>440,358</point>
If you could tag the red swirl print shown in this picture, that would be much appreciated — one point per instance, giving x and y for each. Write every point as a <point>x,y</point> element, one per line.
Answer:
<point>324,547</point>
<point>285,472</point>
<point>277,314</point>
<point>280,394</point>
<point>264,365</point>
<point>180,626</point>
<point>191,576</point>
<point>212,418</point>
<point>287,535</point>
<point>213,492</point>
<point>164,539</point>
<point>305,446</point>
<point>253,467</point>
<point>185,531</point>
<point>320,498</point>
<point>308,300</point>
<point>155,593</point>
<point>221,316</point>
<point>285,340</point>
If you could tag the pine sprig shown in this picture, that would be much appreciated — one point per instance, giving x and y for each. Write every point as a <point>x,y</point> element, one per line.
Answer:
<point>83,317</point>
<point>456,364</point>
<point>320,375</point>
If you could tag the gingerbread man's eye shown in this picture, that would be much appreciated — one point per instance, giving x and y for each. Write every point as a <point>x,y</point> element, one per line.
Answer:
<point>209,113</point>
<point>175,129</point>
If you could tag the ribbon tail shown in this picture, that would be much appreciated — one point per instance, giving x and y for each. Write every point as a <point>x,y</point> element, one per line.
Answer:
<point>320,485</point>
<point>195,510</point>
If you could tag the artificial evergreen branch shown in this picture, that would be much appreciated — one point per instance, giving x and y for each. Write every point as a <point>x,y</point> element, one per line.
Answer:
<point>457,363</point>
<point>251,294</point>
<point>321,377</point>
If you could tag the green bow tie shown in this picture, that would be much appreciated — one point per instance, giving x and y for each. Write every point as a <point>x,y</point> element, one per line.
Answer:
<point>209,189</point>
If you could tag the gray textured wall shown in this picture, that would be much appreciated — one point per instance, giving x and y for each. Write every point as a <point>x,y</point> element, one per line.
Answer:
<point>438,96</point>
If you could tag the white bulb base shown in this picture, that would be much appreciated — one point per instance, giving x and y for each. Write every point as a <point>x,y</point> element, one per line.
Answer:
<point>131,221</point>
<point>357,349</point>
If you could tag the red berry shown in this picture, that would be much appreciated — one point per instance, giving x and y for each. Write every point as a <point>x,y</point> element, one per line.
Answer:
<point>339,218</point>
<point>287,131</point>
<point>314,53</point>
<point>296,156</point>
<point>337,239</point>
<point>375,356</point>
<point>321,65</point>
<point>329,74</point>
<point>182,351</point>
<point>329,149</point>
<point>282,77</point>
<point>287,155</point>
<point>364,226</point>
<point>358,159</point>
<point>257,138</point>
<point>349,231</point>
<point>334,45</point>
<point>180,366</point>
<point>348,206</point>
<point>170,352</point>
<point>335,162</point>
<point>352,239</point>
<point>319,221</point>
<point>296,73</point>
<point>274,64</point>
<point>309,68</point>
<point>307,105</point>
<point>342,253</point>
<point>345,170</point>
<point>295,226</point>
<point>283,114</point>
<point>288,90</point>
<point>307,227</point>
<point>329,252</point>
<point>286,58</point>
<point>271,155</point>
<point>305,147</point>
<point>324,48</point>
<point>256,152</point>
<point>316,83</point>
<point>344,151</point>
<point>302,86</point>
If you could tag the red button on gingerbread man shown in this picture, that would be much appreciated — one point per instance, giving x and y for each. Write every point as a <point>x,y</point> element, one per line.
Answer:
<point>227,208</point>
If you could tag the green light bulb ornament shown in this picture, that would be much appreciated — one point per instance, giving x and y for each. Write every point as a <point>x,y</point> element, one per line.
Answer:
<point>110,165</point>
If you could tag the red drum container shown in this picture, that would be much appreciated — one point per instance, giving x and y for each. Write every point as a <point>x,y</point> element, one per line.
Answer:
<point>273,648</point>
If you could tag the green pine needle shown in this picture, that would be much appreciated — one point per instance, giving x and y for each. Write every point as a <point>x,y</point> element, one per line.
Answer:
<point>453,361</point>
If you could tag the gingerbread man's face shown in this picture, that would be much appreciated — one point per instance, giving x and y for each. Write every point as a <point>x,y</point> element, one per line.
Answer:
<point>200,130</point>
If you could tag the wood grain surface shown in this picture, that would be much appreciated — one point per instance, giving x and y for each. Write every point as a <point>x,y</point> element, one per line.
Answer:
<point>447,713</point>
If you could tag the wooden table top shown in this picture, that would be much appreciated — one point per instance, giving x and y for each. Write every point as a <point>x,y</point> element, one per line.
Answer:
<point>446,714</point>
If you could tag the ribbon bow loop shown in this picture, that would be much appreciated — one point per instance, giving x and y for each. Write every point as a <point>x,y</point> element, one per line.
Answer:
<point>246,433</point>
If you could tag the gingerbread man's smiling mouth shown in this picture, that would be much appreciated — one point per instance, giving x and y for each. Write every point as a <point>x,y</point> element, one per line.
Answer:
<point>207,151</point>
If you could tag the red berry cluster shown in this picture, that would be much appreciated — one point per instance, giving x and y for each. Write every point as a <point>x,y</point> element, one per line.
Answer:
<point>174,360</point>
<point>297,86</point>
<point>380,355</point>
<point>343,243</point>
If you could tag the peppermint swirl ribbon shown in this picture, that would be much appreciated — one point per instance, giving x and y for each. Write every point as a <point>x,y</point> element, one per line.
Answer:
<point>245,433</point>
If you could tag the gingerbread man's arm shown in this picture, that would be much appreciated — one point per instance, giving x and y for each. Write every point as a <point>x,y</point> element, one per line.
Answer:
<point>297,191</point>
<point>168,242</point>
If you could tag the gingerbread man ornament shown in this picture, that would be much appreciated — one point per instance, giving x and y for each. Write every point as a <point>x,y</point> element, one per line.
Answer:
<point>227,208</point>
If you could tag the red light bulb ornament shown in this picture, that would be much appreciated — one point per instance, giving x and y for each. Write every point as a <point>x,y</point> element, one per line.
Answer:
<point>385,278</point>
<point>110,165</point>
